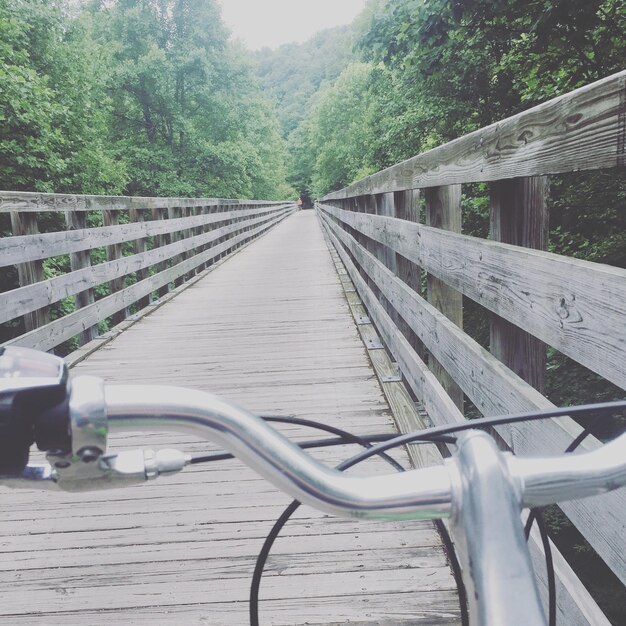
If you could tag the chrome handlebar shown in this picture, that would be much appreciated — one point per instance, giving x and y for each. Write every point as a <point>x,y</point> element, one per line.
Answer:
<point>481,489</point>
<point>421,493</point>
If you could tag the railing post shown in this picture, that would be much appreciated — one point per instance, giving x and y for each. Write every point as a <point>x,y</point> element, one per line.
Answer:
<point>368,204</point>
<point>406,205</point>
<point>443,210</point>
<point>519,216</point>
<point>197,211</point>
<point>173,213</point>
<point>114,252</point>
<point>220,209</point>
<point>238,219</point>
<point>31,272</point>
<point>384,205</point>
<point>77,220</point>
<point>211,209</point>
<point>158,241</point>
<point>187,233</point>
<point>139,246</point>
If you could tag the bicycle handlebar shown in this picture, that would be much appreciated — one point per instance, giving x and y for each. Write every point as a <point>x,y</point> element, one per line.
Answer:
<point>421,493</point>
<point>480,488</point>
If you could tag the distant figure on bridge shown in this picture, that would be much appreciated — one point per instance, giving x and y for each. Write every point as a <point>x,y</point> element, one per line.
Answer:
<point>299,202</point>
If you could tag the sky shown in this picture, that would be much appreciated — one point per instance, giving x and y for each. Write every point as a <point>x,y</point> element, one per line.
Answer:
<point>271,23</point>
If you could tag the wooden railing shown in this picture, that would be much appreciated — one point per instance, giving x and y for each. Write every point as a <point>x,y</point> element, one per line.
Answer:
<point>532,297</point>
<point>124,253</point>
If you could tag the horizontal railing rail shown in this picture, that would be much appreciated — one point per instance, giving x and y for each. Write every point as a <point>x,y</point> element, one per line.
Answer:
<point>581,130</point>
<point>412,278</point>
<point>111,255</point>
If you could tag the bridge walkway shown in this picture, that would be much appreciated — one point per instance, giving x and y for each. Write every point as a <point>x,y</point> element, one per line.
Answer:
<point>269,329</point>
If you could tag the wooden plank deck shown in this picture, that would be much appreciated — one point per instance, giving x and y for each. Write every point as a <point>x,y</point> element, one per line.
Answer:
<point>271,330</point>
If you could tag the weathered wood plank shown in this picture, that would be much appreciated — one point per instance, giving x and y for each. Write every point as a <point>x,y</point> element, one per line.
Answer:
<point>443,211</point>
<point>79,261</point>
<point>580,130</point>
<point>421,380</point>
<point>435,608</point>
<point>159,241</point>
<point>173,213</point>
<point>113,252</point>
<point>134,594</point>
<point>54,333</point>
<point>577,603</point>
<point>403,409</point>
<point>271,330</point>
<point>496,390</point>
<point>519,216</point>
<point>24,226</point>
<point>88,349</point>
<point>34,202</point>
<point>139,247</point>
<point>15,250</point>
<point>575,306</point>
<point>25,299</point>
<point>407,208</point>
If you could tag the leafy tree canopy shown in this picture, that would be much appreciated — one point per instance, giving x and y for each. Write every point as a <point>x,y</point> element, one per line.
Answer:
<point>134,96</point>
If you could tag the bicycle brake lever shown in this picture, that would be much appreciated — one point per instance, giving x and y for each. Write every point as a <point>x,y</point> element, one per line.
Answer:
<point>83,464</point>
<point>107,471</point>
<point>115,470</point>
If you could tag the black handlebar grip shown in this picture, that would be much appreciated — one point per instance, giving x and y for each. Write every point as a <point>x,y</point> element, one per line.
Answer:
<point>34,396</point>
<point>16,437</point>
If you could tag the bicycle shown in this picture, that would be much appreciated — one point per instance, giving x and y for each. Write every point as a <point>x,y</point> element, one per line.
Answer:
<point>480,489</point>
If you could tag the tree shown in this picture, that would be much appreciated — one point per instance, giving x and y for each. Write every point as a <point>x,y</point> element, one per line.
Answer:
<point>51,104</point>
<point>188,115</point>
<point>295,72</point>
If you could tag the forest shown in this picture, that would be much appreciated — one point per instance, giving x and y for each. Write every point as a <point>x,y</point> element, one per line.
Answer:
<point>132,97</point>
<point>152,98</point>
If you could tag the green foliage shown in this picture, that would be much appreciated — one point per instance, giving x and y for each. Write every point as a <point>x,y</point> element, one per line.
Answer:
<point>53,137</point>
<point>188,115</point>
<point>141,97</point>
<point>135,96</point>
<point>293,73</point>
<point>442,68</point>
<point>340,132</point>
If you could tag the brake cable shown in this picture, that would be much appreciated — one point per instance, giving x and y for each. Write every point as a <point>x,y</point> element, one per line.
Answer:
<point>432,435</point>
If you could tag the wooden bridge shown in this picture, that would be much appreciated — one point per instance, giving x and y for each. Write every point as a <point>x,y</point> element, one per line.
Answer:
<point>351,314</point>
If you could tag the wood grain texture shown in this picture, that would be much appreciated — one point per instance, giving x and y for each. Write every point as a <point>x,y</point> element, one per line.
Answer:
<point>403,408</point>
<point>42,246</point>
<point>33,202</point>
<point>79,261</point>
<point>29,272</point>
<point>25,299</point>
<point>580,130</point>
<point>575,306</point>
<point>161,240</point>
<point>575,605</point>
<point>435,608</point>
<point>114,252</point>
<point>497,390</point>
<point>422,381</point>
<point>139,247</point>
<point>406,204</point>
<point>443,211</point>
<point>270,329</point>
<point>519,216</point>
<point>58,331</point>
